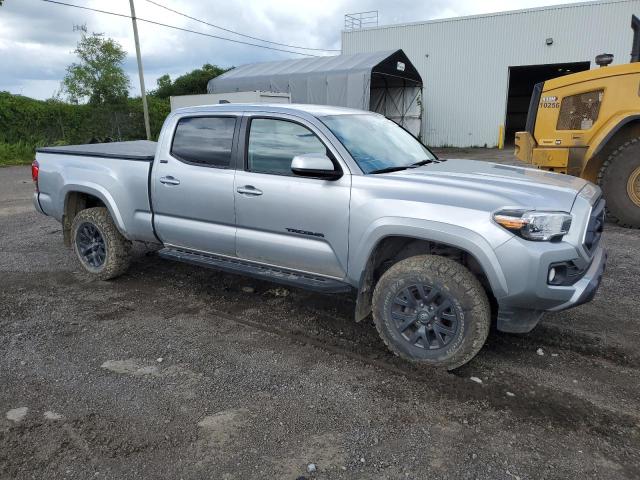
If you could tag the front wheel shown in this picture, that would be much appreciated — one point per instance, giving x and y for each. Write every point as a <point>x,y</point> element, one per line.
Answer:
<point>432,310</point>
<point>100,247</point>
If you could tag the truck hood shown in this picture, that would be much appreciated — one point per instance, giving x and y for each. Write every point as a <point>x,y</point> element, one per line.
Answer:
<point>492,185</point>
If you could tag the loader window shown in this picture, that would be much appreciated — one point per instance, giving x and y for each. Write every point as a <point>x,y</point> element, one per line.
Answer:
<point>579,112</point>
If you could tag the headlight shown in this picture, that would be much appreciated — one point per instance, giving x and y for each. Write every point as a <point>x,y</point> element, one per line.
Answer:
<point>534,225</point>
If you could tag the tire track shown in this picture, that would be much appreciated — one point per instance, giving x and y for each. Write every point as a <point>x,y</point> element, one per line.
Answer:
<point>545,405</point>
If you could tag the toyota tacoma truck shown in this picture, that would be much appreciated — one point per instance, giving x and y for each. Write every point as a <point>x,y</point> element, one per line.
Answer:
<point>337,200</point>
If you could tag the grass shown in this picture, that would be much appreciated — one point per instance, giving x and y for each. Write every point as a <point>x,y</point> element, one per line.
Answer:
<point>16,154</point>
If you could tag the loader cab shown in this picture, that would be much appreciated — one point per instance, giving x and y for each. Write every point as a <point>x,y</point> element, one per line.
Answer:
<point>571,115</point>
<point>588,124</point>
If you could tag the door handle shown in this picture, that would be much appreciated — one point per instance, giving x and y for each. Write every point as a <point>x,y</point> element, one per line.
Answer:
<point>169,180</point>
<point>249,190</point>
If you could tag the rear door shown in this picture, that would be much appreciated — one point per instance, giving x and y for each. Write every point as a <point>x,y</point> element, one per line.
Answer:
<point>192,184</point>
<point>283,219</point>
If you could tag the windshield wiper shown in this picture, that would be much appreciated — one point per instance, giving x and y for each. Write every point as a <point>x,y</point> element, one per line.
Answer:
<point>423,162</point>
<point>413,165</point>
<point>390,169</point>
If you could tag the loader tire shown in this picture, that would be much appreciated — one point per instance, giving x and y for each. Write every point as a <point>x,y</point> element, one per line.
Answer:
<point>619,178</point>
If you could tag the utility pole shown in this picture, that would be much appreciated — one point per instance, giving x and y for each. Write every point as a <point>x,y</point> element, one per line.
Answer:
<point>145,108</point>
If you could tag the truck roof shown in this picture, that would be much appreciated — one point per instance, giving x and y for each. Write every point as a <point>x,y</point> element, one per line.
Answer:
<point>294,108</point>
<point>143,150</point>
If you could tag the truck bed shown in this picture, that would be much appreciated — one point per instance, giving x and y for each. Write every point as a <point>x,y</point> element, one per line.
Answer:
<point>137,150</point>
<point>116,174</point>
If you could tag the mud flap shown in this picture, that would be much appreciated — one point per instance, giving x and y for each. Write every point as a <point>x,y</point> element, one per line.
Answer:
<point>518,320</point>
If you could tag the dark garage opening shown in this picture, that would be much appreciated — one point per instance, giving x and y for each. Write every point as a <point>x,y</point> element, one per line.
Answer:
<point>521,82</point>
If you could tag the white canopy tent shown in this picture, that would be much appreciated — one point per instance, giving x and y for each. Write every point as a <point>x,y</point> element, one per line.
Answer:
<point>383,82</point>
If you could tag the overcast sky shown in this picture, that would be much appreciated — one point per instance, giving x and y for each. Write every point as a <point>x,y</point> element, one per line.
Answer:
<point>37,38</point>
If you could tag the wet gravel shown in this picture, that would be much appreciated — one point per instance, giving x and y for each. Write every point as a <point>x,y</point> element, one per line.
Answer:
<point>173,371</point>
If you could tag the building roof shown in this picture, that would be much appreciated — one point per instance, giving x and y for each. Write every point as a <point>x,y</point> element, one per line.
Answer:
<point>281,75</point>
<point>492,14</point>
<point>300,66</point>
<point>341,80</point>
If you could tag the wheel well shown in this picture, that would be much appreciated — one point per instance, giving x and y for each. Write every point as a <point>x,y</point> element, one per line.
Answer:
<point>73,204</point>
<point>623,135</point>
<point>391,250</point>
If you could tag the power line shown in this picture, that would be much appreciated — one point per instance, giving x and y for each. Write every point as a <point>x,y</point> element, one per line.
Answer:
<point>238,33</point>
<point>179,28</point>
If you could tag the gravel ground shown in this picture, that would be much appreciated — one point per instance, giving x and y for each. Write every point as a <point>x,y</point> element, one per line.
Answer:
<point>173,371</point>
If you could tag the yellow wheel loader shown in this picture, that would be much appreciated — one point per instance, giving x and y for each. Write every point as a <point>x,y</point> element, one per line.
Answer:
<point>588,124</point>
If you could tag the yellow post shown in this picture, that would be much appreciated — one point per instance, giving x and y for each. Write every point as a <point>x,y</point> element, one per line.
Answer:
<point>501,137</point>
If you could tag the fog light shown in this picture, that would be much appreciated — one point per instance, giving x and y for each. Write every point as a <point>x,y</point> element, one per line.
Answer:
<point>552,275</point>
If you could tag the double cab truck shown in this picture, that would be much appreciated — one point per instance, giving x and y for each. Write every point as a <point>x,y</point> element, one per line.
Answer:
<point>337,200</point>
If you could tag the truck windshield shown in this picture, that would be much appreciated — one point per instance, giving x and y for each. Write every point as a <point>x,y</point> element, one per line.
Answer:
<point>377,144</point>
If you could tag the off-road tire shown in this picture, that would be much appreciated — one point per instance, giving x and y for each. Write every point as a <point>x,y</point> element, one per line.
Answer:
<point>468,297</point>
<point>118,248</point>
<point>613,177</point>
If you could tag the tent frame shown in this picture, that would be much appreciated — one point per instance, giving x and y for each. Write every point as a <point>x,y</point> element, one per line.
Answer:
<point>386,97</point>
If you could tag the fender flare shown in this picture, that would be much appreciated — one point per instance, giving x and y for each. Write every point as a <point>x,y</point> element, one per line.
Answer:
<point>447,234</point>
<point>612,131</point>
<point>98,192</point>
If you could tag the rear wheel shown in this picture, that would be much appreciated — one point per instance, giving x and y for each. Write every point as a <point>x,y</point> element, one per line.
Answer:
<point>431,310</point>
<point>619,178</point>
<point>98,244</point>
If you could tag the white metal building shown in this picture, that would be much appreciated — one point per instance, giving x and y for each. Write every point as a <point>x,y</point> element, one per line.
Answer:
<point>478,72</point>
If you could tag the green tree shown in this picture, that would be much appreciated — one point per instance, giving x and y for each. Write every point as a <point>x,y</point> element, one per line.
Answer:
<point>189,83</point>
<point>164,82</point>
<point>98,77</point>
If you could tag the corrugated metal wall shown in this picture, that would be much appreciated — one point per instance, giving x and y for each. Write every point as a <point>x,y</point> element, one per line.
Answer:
<point>464,62</point>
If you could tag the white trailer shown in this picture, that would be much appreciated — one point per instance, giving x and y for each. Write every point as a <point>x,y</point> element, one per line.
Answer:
<point>232,97</point>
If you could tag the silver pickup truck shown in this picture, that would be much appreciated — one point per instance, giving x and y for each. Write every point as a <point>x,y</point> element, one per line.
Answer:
<point>337,200</point>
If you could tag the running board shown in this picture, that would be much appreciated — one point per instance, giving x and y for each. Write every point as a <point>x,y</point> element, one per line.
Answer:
<point>263,272</point>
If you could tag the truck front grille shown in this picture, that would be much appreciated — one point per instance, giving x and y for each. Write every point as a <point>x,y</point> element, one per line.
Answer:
<point>594,227</point>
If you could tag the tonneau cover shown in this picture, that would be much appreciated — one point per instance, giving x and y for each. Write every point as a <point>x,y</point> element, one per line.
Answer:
<point>139,150</point>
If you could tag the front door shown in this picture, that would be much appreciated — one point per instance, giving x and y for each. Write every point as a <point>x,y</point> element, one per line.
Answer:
<point>192,185</point>
<point>287,220</point>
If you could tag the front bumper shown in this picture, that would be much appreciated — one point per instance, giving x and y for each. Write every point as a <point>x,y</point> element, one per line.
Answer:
<point>531,295</point>
<point>587,286</point>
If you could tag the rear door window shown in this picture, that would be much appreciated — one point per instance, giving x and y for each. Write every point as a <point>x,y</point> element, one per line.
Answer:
<point>204,141</point>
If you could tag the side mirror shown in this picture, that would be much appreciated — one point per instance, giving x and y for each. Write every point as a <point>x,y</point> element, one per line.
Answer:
<point>315,165</point>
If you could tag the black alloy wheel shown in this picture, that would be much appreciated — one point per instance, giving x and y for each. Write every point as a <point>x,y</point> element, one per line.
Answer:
<point>424,316</point>
<point>432,310</point>
<point>91,245</point>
